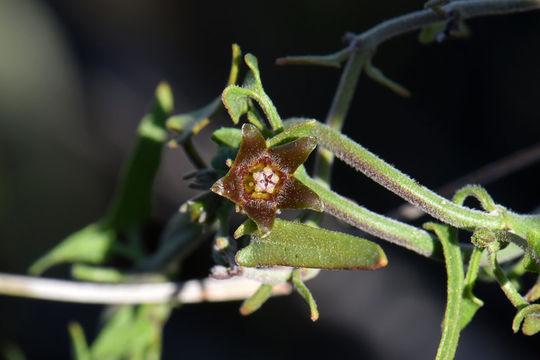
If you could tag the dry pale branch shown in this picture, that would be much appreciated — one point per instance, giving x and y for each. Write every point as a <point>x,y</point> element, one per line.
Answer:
<point>192,291</point>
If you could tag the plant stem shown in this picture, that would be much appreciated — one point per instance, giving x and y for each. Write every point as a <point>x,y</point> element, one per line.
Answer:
<point>394,180</point>
<point>506,285</point>
<point>416,20</point>
<point>396,232</point>
<point>193,154</point>
<point>400,25</point>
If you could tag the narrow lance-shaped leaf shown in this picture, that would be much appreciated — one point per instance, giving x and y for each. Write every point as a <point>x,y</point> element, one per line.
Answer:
<point>90,245</point>
<point>451,326</point>
<point>132,202</point>
<point>299,245</point>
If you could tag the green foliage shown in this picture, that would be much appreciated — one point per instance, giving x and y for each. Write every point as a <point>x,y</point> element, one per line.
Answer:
<point>89,245</point>
<point>298,245</point>
<point>131,206</point>
<point>531,315</point>
<point>131,332</point>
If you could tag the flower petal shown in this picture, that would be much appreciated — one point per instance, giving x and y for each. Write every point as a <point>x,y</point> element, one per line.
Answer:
<point>252,147</point>
<point>295,195</point>
<point>229,186</point>
<point>290,156</point>
<point>262,212</point>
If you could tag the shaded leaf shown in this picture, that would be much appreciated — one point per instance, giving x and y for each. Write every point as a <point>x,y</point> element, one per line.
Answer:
<point>298,245</point>
<point>227,136</point>
<point>132,332</point>
<point>469,307</point>
<point>332,60</point>
<point>89,245</point>
<point>378,76</point>
<point>132,203</point>
<point>97,274</point>
<point>78,342</point>
<point>191,123</point>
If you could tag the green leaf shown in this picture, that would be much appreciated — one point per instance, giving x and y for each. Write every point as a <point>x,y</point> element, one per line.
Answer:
<point>255,301</point>
<point>11,351</point>
<point>133,332</point>
<point>469,307</point>
<point>97,274</point>
<point>237,99</point>
<point>227,136</point>
<point>470,303</point>
<point>299,245</point>
<point>454,270</point>
<point>303,290</point>
<point>292,131</point>
<point>89,245</point>
<point>531,315</point>
<point>132,203</point>
<point>378,76</point>
<point>78,342</point>
<point>191,123</point>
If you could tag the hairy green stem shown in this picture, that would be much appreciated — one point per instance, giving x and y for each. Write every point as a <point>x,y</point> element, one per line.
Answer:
<point>394,180</point>
<point>506,285</point>
<point>396,232</point>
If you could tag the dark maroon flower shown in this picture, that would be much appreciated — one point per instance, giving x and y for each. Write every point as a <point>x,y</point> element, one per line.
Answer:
<point>261,180</point>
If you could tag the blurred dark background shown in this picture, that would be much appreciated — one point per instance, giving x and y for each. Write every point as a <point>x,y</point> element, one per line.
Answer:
<point>76,77</point>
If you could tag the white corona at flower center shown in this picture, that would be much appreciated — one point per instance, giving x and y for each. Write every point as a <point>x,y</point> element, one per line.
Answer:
<point>265,180</point>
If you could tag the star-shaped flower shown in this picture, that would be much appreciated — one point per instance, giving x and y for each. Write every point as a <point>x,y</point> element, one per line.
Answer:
<point>261,179</point>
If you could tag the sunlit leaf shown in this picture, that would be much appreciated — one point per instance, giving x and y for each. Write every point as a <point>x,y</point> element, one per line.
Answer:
<point>255,301</point>
<point>299,245</point>
<point>530,317</point>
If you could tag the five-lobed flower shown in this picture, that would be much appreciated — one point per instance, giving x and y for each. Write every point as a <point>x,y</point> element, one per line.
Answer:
<point>260,180</point>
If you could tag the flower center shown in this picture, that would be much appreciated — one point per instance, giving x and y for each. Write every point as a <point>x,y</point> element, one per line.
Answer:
<point>261,182</point>
<point>265,180</point>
